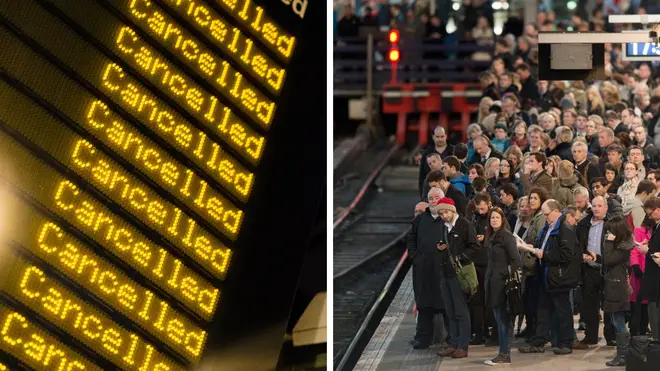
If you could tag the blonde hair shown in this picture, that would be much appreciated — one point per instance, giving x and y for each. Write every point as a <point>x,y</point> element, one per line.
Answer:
<point>597,101</point>
<point>564,134</point>
<point>484,108</point>
<point>489,162</point>
<point>565,169</point>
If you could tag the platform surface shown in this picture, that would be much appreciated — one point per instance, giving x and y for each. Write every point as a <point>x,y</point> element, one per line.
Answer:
<point>389,348</point>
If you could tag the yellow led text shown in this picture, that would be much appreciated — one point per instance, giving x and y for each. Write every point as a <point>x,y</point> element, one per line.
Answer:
<point>229,38</point>
<point>139,304</point>
<point>183,89</point>
<point>131,246</point>
<point>78,318</point>
<point>138,100</point>
<point>165,170</point>
<point>29,343</point>
<point>255,20</point>
<point>169,220</point>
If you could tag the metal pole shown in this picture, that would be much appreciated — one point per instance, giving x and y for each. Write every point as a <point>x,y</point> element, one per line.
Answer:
<point>370,79</point>
<point>394,68</point>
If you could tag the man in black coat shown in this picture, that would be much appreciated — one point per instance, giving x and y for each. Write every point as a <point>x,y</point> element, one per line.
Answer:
<point>650,289</point>
<point>427,230</point>
<point>439,180</point>
<point>557,273</point>
<point>591,233</point>
<point>459,242</point>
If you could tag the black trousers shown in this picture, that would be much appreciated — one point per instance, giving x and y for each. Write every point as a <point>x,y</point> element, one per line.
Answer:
<point>559,304</point>
<point>480,317</point>
<point>639,320</point>
<point>426,324</point>
<point>592,295</point>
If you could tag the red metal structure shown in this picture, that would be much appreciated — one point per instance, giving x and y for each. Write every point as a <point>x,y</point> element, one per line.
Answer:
<point>425,99</point>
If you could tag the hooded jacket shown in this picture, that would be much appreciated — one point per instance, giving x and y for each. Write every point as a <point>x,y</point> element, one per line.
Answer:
<point>563,190</point>
<point>462,182</point>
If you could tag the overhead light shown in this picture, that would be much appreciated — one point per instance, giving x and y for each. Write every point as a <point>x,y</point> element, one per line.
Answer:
<point>571,5</point>
<point>497,30</point>
<point>456,6</point>
<point>505,6</point>
<point>497,5</point>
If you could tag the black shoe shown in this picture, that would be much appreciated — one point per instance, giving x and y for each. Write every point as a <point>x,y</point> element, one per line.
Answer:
<point>531,349</point>
<point>418,345</point>
<point>581,326</point>
<point>611,343</point>
<point>562,351</point>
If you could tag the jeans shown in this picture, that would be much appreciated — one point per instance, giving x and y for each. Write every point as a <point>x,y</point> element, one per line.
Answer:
<point>618,321</point>
<point>457,310</point>
<point>504,323</point>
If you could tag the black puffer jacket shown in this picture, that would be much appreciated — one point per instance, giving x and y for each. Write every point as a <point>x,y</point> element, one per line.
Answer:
<point>615,260</point>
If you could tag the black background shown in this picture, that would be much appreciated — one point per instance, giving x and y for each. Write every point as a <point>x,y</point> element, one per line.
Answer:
<point>281,216</point>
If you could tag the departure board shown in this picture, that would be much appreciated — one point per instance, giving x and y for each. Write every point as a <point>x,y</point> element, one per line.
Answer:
<point>160,164</point>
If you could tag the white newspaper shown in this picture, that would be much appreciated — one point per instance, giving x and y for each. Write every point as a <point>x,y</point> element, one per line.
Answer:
<point>522,245</point>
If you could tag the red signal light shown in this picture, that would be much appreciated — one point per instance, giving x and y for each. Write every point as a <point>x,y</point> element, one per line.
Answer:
<point>394,55</point>
<point>394,36</point>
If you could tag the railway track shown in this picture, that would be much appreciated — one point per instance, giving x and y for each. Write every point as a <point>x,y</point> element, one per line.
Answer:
<point>369,242</point>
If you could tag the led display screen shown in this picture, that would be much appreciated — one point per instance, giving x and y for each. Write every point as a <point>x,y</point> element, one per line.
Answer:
<point>145,222</point>
<point>641,51</point>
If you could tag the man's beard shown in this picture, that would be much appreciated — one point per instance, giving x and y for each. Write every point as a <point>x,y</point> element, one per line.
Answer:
<point>434,209</point>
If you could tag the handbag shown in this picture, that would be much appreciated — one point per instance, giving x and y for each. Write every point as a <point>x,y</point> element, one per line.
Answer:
<point>513,294</point>
<point>466,274</point>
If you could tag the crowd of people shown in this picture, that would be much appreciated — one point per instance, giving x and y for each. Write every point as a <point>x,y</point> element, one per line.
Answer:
<point>560,182</point>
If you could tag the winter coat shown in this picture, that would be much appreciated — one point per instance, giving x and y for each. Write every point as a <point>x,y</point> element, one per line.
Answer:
<point>563,191</point>
<point>563,150</point>
<point>463,243</point>
<point>462,182</point>
<point>531,236</point>
<point>542,180</point>
<point>615,260</point>
<point>637,258</point>
<point>559,269</point>
<point>422,243</point>
<point>502,253</point>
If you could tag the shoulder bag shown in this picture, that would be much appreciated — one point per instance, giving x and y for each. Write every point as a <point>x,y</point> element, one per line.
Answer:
<point>466,274</point>
<point>513,293</point>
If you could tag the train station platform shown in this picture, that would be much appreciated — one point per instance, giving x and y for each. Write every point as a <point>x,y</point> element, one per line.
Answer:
<point>389,348</point>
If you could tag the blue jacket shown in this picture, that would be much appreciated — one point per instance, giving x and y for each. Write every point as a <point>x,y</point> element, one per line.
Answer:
<point>461,182</point>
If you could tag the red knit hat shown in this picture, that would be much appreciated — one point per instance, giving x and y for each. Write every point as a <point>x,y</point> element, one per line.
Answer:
<point>446,204</point>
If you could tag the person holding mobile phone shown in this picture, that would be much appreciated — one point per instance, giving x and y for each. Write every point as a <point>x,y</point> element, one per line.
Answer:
<point>427,265</point>
<point>460,243</point>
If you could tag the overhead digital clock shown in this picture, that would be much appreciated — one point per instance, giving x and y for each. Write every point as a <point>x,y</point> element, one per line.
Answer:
<point>641,52</point>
